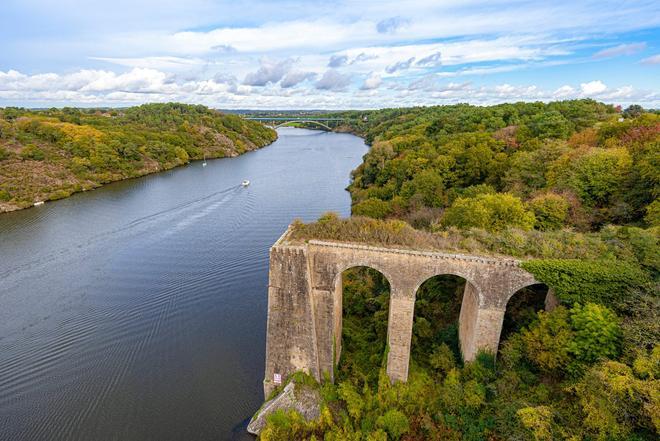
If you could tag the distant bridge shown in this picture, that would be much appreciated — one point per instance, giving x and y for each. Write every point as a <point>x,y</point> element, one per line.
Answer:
<point>277,122</point>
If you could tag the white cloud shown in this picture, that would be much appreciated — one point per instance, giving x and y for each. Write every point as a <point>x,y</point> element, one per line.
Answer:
<point>622,49</point>
<point>333,80</point>
<point>338,60</point>
<point>655,59</point>
<point>391,25</point>
<point>593,87</point>
<point>293,78</point>
<point>312,54</point>
<point>372,82</point>
<point>270,72</point>
<point>166,63</point>
<point>564,91</point>
<point>399,65</point>
<point>97,87</point>
<point>432,60</point>
<point>427,82</point>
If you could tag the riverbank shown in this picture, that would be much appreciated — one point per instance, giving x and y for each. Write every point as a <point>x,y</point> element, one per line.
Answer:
<point>50,155</point>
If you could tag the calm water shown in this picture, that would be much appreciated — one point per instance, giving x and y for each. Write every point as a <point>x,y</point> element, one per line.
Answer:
<point>138,311</point>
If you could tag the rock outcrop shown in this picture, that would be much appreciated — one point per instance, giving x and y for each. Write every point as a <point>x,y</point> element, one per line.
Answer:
<point>302,398</point>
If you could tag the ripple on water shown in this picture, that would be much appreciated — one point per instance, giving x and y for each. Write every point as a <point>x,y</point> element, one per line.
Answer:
<point>137,311</point>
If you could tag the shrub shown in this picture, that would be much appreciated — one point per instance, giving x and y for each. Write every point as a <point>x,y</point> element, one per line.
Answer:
<point>182,155</point>
<point>372,207</point>
<point>394,422</point>
<point>627,244</point>
<point>4,154</point>
<point>442,359</point>
<point>538,420</point>
<point>32,152</point>
<point>653,213</point>
<point>6,130</point>
<point>59,194</point>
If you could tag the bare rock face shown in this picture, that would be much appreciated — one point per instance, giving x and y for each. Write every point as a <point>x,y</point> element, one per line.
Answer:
<point>304,399</point>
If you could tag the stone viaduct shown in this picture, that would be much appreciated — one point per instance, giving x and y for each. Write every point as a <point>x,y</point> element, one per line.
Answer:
<point>305,302</point>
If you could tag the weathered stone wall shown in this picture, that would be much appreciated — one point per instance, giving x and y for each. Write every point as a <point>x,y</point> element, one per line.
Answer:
<point>305,302</point>
<point>467,321</point>
<point>290,332</point>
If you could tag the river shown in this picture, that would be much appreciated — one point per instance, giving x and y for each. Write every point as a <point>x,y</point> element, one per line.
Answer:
<point>138,311</point>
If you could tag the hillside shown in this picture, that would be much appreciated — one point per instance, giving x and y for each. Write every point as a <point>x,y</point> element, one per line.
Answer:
<point>50,154</point>
<point>571,188</point>
<point>572,163</point>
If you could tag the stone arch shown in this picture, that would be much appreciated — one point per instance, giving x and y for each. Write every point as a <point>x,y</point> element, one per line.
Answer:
<point>376,266</point>
<point>517,287</point>
<point>449,272</point>
<point>522,303</point>
<point>338,301</point>
<point>454,301</point>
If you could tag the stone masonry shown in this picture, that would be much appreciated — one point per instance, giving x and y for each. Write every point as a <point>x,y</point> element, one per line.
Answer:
<point>305,302</point>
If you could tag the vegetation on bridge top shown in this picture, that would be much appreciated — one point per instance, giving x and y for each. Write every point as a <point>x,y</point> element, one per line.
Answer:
<point>630,244</point>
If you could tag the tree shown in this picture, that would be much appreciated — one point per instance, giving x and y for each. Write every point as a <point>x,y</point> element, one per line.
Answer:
<point>616,403</point>
<point>429,185</point>
<point>551,124</point>
<point>597,333</point>
<point>546,343</point>
<point>492,212</point>
<point>550,210</point>
<point>633,111</point>
<point>595,174</point>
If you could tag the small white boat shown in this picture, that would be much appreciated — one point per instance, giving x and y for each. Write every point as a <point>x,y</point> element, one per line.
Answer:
<point>245,183</point>
<point>204,163</point>
<point>36,204</point>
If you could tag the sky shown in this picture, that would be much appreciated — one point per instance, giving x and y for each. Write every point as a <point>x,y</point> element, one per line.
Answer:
<point>291,54</point>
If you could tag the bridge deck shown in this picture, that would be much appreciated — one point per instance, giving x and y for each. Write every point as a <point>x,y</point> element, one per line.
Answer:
<point>429,245</point>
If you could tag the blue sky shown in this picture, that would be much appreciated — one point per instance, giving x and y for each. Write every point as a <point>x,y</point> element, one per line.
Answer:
<point>330,55</point>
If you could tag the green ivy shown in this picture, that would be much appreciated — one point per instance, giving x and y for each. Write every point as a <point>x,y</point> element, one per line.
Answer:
<point>580,281</point>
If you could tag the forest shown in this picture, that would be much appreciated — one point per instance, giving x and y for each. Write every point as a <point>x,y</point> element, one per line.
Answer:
<point>570,188</point>
<point>50,154</point>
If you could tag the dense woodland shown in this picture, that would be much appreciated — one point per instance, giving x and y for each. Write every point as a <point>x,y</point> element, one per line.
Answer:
<point>50,154</point>
<point>569,187</point>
